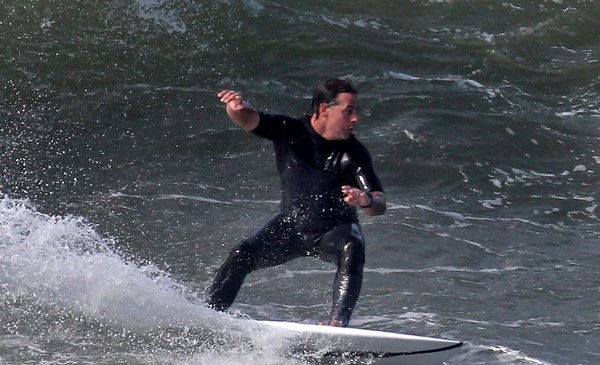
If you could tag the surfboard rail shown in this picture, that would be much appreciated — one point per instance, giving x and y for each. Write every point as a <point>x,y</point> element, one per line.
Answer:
<point>355,343</point>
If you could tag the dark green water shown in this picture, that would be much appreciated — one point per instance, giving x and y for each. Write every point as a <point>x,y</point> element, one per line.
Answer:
<point>125,185</point>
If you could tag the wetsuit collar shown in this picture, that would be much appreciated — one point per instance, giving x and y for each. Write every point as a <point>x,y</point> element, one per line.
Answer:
<point>319,139</point>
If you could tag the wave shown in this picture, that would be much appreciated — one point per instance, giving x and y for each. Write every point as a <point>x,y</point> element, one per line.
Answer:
<point>61,280</point>
<point>63,262</point>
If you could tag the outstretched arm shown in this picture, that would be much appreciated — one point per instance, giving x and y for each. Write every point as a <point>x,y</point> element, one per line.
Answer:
<point>241,112</point>
<point>372,204</point>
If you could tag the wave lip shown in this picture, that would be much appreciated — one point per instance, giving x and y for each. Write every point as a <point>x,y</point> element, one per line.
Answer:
<point>64,262</point>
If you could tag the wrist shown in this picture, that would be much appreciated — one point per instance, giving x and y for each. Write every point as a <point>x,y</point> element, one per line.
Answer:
<point>370,197</point>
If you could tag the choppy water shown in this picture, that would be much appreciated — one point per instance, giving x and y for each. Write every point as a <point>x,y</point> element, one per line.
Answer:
<point>123,184</point>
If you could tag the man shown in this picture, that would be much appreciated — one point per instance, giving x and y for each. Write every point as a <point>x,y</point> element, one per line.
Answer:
<point>326,173</point>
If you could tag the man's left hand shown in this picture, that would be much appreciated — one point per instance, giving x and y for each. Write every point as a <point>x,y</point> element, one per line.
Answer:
<point>356,197</point>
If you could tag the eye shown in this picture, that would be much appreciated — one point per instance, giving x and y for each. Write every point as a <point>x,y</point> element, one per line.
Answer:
<point>350,110</point>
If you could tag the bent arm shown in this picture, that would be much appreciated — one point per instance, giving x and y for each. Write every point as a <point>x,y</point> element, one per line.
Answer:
<point>239,111</point>
<point>372,204</point>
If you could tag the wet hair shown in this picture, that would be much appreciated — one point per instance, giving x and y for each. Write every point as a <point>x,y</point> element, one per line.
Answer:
<point>328,91</point>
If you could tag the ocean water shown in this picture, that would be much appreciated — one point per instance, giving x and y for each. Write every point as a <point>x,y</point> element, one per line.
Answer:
<point>124,185</point>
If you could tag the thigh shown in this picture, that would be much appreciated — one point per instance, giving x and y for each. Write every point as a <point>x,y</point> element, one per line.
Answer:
<point>274,243</point>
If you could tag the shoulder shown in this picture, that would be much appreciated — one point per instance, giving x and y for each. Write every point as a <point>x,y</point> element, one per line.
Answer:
<point>276,126</point>
<point>269,118</point>
<point>357,149</point>
<point>361,157</point>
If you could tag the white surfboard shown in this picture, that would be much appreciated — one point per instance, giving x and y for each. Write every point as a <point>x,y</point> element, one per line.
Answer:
<point>356,344</point>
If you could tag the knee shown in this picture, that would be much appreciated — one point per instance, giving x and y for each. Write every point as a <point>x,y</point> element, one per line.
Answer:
<point>243,256</point>
<point>353,255</point>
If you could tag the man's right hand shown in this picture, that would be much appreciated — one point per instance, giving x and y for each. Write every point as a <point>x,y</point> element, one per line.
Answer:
<point>241,113</point>
<point>232,99</point>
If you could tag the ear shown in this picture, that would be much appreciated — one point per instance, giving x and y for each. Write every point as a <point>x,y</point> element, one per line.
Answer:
<point>323,108</point>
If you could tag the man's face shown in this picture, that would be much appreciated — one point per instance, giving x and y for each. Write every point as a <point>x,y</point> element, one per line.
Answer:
<point>341,117</point>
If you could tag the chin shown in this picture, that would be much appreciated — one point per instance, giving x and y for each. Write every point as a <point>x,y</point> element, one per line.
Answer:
<point>340,137</point>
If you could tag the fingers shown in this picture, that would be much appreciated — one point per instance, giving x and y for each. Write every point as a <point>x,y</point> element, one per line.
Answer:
<point>232,99</point>
<point>347,190</point>
<point>228,96</point>
<point>352,195</point>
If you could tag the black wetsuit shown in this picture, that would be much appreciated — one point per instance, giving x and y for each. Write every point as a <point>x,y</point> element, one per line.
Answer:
<point>313,220</point>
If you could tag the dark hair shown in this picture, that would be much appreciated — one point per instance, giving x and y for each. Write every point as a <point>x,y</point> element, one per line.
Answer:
<point>328,91</point>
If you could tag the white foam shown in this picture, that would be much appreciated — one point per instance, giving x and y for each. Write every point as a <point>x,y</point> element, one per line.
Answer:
<point>63,264</point>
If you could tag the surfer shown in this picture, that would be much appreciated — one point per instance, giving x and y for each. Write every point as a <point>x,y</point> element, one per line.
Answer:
<point>325,174</point>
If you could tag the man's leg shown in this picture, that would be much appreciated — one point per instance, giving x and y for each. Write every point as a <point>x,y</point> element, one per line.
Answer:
<point>344,246</point>
<point>273,244</point>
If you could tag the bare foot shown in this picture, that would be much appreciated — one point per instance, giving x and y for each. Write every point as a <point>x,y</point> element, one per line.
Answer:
<point>333,322</point>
